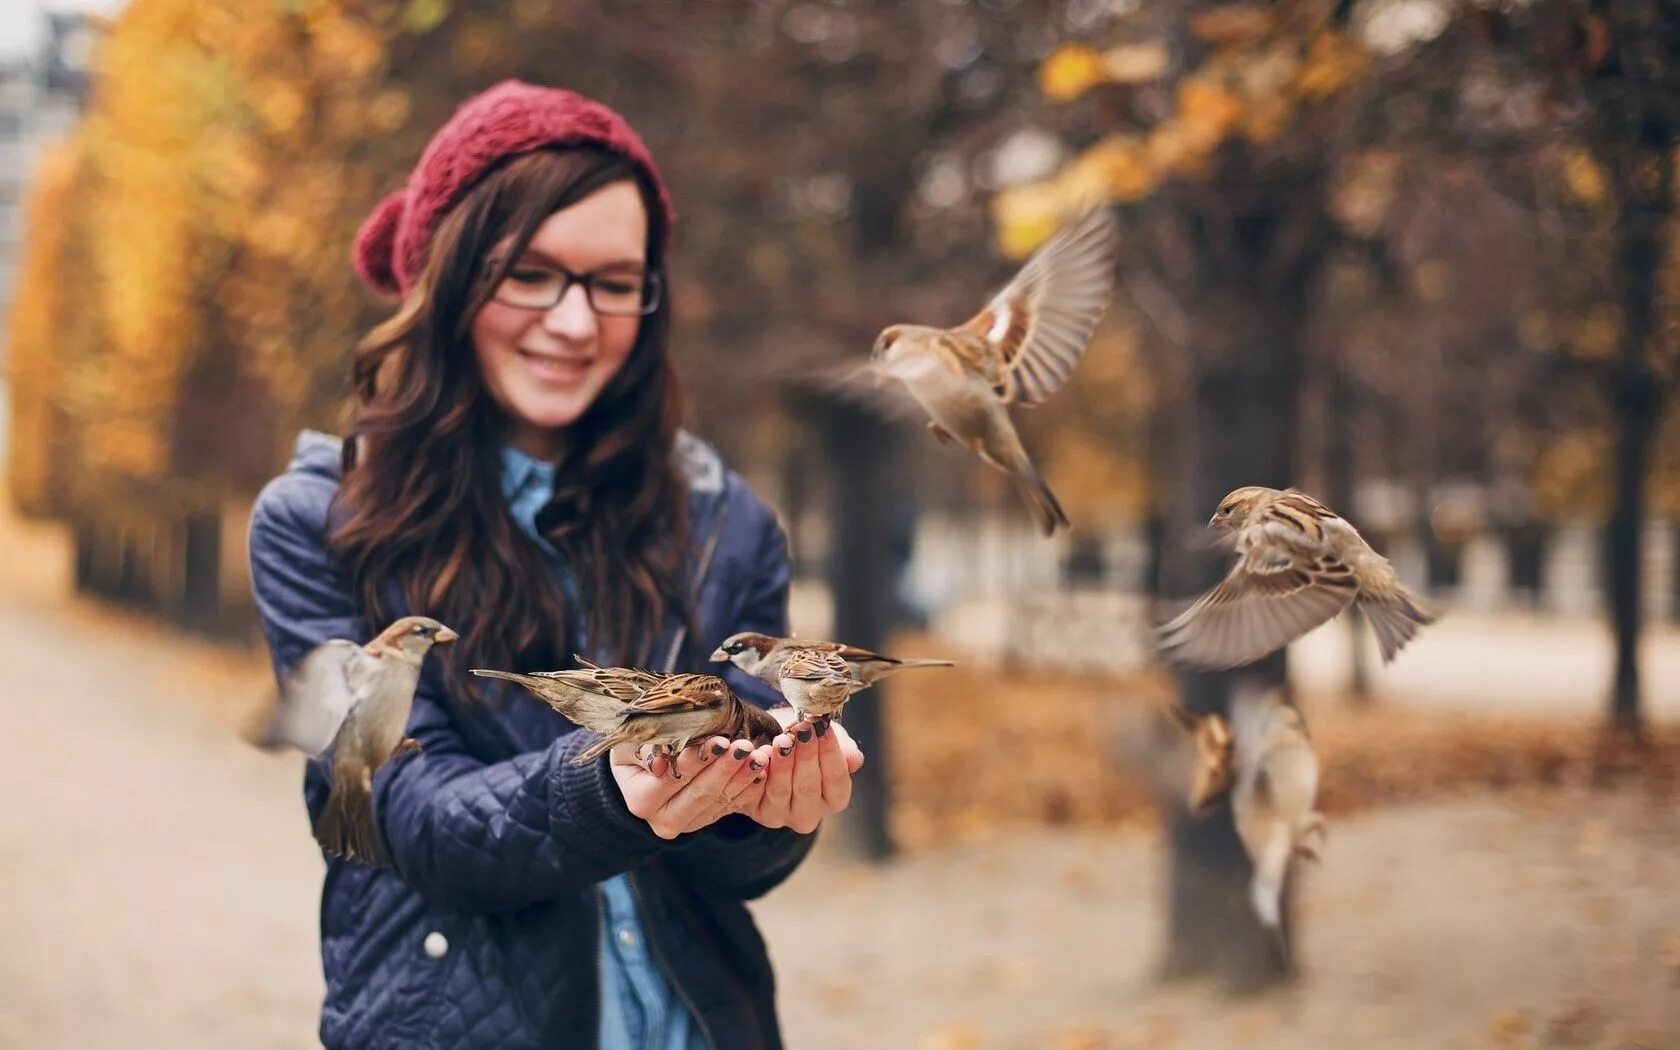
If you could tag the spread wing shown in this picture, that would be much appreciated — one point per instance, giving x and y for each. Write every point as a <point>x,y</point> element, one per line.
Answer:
<point>1036,328</point>
<point>318,695</point>
<point>1273,595</point>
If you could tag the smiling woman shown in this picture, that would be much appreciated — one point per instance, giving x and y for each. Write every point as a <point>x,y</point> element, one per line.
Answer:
<point>517,471</point>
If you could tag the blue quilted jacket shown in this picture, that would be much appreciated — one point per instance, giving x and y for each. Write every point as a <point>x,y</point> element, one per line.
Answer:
<point>484,932</point>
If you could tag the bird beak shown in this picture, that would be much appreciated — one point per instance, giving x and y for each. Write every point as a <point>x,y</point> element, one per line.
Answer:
<point>444,635</point>
<point>1213,522</point>
<point>719,656</point>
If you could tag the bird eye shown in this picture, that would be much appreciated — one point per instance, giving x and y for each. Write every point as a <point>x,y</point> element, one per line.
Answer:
<point>732,648</point>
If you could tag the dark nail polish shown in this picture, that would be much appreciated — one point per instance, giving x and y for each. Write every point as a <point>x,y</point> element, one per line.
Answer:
<point>742,752</point>
<point>804,736</point>
<point>822,728</point>
<point>718,749</point>
<point>785,751</point>
<point>756,764</point>
<point>758,780</point>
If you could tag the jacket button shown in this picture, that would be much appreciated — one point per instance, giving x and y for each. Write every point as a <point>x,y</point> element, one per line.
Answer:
<point>437,945</point>
<point>627,937</point>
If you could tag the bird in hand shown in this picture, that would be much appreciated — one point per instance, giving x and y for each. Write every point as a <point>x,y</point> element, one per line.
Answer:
<point>678,709</point>
<point>590,696</point>
<point>354,701</point>
<point>1018,350</point>
<point>1299,564</point>
<point>1273,794</point>
<point>819,676</point>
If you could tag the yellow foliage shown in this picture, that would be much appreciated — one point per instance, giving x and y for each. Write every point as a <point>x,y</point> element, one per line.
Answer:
<point>1332,62</point>
<point>1070,71</point>
<point>1207,111</point>
<point>1583,176</point>
<point>33,365</point>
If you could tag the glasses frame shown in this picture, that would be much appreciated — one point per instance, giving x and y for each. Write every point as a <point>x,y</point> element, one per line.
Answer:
<point>653,289</point>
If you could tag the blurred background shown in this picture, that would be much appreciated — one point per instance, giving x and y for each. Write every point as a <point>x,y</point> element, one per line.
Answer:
<point>1417,257</point>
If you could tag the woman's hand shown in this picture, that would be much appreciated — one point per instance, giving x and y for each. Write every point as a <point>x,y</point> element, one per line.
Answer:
<point>810,776</point>
<point>793,782</point>
<point>717,775</point>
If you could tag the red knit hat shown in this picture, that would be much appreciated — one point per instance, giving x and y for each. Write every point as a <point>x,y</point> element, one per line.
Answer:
<point>504,121</point>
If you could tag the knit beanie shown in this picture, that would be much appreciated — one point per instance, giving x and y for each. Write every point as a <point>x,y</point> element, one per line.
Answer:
<point>505,121</point>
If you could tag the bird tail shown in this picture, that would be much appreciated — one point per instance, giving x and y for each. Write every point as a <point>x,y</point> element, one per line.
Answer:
<point>1270,869</point>
<point>580,706</point>
<point>906,665</point>
<point>1395,620</point>
<point>1035,491</point>
<point>346,827</point>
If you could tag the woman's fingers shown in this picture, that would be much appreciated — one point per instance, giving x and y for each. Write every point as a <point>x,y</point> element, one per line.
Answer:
<point>806,809</point>
<point>831,761</point>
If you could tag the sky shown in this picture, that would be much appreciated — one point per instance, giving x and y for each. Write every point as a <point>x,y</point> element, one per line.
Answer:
<point>20,22</point>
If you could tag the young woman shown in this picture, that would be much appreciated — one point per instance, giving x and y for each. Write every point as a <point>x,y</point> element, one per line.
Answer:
<point>516,471</point>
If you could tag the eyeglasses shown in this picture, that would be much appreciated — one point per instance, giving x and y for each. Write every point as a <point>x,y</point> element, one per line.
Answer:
<point>613,293</point>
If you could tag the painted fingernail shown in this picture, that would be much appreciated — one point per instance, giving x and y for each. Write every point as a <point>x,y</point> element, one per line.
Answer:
<point>785,751</point>
<point>758,780</point>
<point>822,728</point>
<point>804,736</point>
<point>756,763</point>
<point>718,749</point>
<point>742,752</point>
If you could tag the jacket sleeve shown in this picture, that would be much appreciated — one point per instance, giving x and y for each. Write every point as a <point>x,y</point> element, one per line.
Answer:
<point>738,857</point>
<point>467,834</point>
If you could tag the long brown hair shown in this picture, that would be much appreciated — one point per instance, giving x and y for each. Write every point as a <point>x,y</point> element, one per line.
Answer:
<point>421,513</point>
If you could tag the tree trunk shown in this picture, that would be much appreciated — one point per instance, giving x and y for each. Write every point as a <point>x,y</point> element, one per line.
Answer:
<point>1238,432</point>
<point>1644,183</point>
<point>862,573</point>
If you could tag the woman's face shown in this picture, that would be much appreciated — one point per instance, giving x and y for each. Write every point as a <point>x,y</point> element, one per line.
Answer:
<point>545,367</point>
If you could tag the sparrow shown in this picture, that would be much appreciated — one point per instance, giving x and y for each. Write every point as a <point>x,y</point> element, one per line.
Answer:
<point>353,701</point>
<point>1018,350</point>
<point>1273,793</point>
<point>590,696</point>
<point>1213,764</point>
<point>678,709</point>
<point>761,655</point>
<point>817,682</point>
<point>1298,565</point>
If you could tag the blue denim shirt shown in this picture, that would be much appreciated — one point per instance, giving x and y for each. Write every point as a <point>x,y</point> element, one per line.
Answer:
<point>639,1010</point>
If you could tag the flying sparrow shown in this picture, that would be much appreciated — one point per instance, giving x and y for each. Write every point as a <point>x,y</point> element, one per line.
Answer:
<point>354,701</point>
<point>1298,566</point>
<point>1017,351</point>
<point>1273,794</point>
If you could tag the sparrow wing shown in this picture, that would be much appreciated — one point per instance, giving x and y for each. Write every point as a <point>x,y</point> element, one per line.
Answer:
<point>319,694</point>
<point>815,664</point>
<point>679,693</point>
<point>1036,329</point>
<point>623,684</point>
<point>1272,595</point>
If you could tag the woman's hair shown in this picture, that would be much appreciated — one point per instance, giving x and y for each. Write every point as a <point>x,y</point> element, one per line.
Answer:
<point>421,512</point>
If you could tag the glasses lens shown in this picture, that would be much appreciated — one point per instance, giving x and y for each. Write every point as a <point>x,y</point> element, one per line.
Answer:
<point>531,287</point>
<point>624,294</point>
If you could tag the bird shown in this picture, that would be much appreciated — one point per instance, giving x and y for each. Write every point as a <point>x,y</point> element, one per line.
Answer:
<point>817,682</point>
<point>678,709</point>
<point>1212,763</point>
<point>353,701</point>
<point>589,696</point>
<point>766,658</point>
<point>1273,794</point>
<point>1298,565</point>
<point>1018,350</point>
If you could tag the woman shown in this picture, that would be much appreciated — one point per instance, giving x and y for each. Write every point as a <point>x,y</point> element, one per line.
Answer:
<point>516,471</point>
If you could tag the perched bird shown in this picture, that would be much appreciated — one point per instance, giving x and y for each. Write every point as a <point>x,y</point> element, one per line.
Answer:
<point>590,696</point>
<point>1298,565</point>
<point>354,700</point>
<point>1273,794</point>
<point>817,682</point>
<point>630,704</point>
<point>766,658</point>
<point>1017,351</point>
<point>679,709</point>
<point>762,656</point>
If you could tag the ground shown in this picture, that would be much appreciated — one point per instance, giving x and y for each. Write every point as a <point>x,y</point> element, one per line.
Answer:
<point>159,889</point>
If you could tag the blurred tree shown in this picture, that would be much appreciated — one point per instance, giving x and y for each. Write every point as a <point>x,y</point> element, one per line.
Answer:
<point>1208,117</point>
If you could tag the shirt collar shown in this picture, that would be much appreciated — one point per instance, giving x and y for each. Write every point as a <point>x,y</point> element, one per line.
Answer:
<point>521,472</point>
